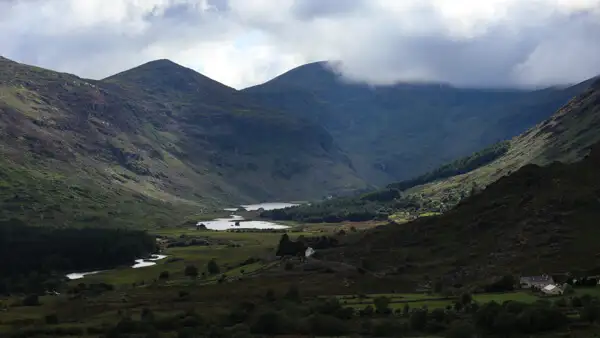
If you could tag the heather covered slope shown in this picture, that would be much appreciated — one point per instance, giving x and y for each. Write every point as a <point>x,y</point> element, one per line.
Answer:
<point>566,137</point>
<point>536,220</point>
<point>394,133</point>
<point>159,136</point>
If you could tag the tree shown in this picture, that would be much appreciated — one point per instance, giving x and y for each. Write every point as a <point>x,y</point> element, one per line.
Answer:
<point>147,315</point>
<point>213,268</point>
<point>51,319</point>
<point>590,313</point>
<point>438,315</point>
<point>382,305</point>
<point>270,295</point>
<point>505,323</point>
<point>268,323</point>
<point>31,300</point>
<point>293,294</point>
<point>191,271</point>
<point>460,330</point>
<point>466,299</point>
<point>418,320</point>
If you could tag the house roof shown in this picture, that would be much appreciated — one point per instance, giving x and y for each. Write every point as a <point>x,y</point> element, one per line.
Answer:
<point>536,279</point>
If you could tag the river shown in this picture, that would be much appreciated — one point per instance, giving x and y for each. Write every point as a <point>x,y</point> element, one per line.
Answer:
<point>139,263</point>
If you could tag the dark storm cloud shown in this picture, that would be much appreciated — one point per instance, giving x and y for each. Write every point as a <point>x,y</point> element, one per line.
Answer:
<point>241,42</point>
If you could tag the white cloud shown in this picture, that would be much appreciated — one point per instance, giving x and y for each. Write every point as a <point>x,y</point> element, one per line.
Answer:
<point>244,42</point>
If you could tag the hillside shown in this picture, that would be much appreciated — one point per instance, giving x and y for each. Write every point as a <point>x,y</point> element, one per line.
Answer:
<point>536,220</point>
<point>159,137</point>
<point>394,133</point>
<point>566,137</point>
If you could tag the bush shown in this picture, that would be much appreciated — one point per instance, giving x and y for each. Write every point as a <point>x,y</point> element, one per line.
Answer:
<point>438,315</point>
<point>191,271</point>
<point>270,295</point>
<point>382,305</point>
<point>51,319</point>
<point>164,275</point>
<point>293,294</point>
<point>269,323</point>
<point>388,328</point>
<point>460,330</point>
<point>147,315</point>
<point>418,320</point>
<point>368,311</point>
<point>325,325</point>
<point>505,323</point>
<point>31,300</point>
<point>213,267</point>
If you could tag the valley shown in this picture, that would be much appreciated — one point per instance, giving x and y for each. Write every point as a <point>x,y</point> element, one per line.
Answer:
<point>139,206</point>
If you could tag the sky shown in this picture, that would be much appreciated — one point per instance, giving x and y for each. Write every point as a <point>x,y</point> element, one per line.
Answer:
<point>475,43</point>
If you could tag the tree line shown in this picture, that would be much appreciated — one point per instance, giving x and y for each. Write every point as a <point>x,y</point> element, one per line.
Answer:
<point>31,255</point>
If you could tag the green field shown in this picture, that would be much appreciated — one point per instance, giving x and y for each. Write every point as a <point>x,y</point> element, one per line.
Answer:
<point>421,300</point>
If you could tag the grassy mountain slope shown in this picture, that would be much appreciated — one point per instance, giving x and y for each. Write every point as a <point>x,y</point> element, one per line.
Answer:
<point>397,132</point>
<point>566,136</point>
<point>160,137</point>
<point>538,219</point>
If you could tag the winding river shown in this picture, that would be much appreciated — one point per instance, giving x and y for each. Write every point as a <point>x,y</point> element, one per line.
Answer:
<point>139,263</point>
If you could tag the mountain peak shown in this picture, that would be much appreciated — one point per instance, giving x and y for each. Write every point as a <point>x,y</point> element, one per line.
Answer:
<point>163,74</point>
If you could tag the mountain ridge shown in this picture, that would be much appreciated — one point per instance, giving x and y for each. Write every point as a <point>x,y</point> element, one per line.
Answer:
<point>176,137</point>
<point>396,132</point>
<point>536,215</point>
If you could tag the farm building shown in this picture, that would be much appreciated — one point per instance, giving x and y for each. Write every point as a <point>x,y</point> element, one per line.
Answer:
<point>552,289</point>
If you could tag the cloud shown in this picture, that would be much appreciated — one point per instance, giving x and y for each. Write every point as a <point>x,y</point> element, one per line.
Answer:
<point>245,42</point>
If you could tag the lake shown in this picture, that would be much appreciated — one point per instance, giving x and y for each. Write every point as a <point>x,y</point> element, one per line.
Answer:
<point>265,206</point>
<point>229,223</point>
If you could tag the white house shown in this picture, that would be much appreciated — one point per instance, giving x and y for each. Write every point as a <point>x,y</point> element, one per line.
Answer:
<point>552,289</point>
<point>536,281</point>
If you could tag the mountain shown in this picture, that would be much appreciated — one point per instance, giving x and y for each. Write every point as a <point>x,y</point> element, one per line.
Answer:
<point>397,132</point>
<point>566,136</point>
<point>158,137</point>
<point>537,219</point>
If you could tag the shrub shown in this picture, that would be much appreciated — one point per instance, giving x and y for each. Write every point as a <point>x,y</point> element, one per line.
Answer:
<point>438,315</point>
<point>368,311</point>
<point>163,275</point>
<point>382,305</point>
<point>51,319</point>
<point>418,320</point>
<point>268,323</point>
<point>213,267</point>
<point>325,325</point>
<point>460,330</point>
<point>270,295</point>
<point>191,271</point>
<point>31,300</point>
<point>293,294</point>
